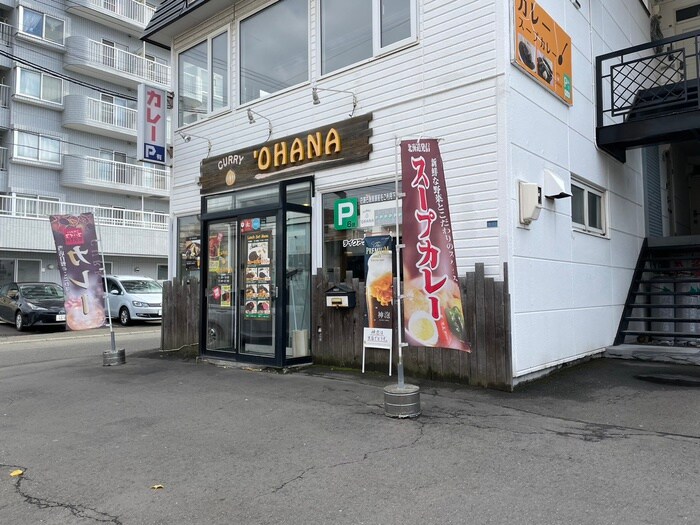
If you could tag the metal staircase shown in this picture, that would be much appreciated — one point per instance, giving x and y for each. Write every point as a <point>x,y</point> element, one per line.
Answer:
<point>663,303</point>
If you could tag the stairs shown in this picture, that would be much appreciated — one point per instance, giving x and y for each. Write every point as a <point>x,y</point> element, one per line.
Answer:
<point>663,303</point>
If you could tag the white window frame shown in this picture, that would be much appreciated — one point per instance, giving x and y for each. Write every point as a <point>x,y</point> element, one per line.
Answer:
<point>589,189</point>
<point>37,158</point>
<point>377,49</point>
<point>43,27</point>
<point>209,40</point>
<point>18,83</point>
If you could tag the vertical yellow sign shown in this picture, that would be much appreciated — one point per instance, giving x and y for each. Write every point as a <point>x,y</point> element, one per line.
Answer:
<point>543,49</point>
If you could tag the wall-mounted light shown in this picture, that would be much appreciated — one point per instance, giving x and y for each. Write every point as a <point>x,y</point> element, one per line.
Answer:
<point>50,266</point>
<point>187,137</point>
<point>137,269</point>
<point>317,100</point>
<point>251,120</point>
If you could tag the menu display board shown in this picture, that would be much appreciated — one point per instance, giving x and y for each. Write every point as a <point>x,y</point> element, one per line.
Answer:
<point>258,279</point>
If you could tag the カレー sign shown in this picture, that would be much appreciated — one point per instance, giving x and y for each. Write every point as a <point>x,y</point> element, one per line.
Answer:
<point>151,129</point>
<point>543,49</point>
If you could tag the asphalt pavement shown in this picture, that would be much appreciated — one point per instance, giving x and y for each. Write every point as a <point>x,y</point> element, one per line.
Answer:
<point>161,440</point>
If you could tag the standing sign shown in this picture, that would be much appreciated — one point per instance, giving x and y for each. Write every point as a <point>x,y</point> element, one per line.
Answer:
<point>81,270</point>
<point>432,305</point>
<point>151,130</point>
<point>379,289</point>
<point>543,49</point>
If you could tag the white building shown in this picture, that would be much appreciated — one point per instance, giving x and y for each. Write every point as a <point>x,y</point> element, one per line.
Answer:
<point>250,75</point>
<point>69,73</point>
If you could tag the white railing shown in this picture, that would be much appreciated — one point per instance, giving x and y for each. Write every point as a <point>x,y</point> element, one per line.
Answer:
<point>6,31</point>
<point>134,10</point>
<point>125,62</point>
<point>3,159</point>
<point>5,96</point>
<point>113,173</point>
<point>37,208</point>
<point>112,114</point>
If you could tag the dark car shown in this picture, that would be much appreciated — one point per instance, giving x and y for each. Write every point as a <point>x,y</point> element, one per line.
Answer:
<point>32,304</point>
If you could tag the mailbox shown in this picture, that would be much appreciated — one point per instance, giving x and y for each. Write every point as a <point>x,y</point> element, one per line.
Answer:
<point>340,296</point>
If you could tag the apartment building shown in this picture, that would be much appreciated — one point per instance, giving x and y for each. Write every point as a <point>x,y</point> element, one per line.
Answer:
<point>69,72</point>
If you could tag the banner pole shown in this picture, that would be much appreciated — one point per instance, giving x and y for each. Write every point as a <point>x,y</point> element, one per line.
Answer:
<point>399,245</point>
<point>98,230</point>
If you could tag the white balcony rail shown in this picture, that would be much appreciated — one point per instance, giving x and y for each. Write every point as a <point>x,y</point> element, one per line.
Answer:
<point>111,114</point>
<point>112,172</point>
<point>5,93</point>
<point>125,62</point>
<point>6,31</point>
<point>37,208</point>
<point>134,10</point>
<point>3,159</point>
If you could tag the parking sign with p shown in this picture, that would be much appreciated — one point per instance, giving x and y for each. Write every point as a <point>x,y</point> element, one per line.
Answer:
<point>345,214</point>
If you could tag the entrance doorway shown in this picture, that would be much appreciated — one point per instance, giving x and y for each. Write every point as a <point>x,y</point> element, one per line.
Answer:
<point>257,282</point>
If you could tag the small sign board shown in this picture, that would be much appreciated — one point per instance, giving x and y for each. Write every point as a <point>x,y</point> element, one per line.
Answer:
<point>345,214</point>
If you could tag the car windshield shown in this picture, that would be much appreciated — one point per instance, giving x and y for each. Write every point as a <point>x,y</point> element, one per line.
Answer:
<point>142,286</point>
<point>38,292</point>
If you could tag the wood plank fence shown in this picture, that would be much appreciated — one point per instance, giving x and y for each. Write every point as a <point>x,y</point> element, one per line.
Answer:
<point>338,333</point>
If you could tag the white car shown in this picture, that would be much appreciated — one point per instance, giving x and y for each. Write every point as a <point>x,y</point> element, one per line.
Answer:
<point>133,298</point>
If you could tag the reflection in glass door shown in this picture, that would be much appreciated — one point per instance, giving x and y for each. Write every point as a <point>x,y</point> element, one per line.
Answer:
<point>221,275</point>
<point>257,288</point>
<point>298,283</point>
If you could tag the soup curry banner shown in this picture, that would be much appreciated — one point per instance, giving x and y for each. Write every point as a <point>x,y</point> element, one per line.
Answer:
<point>81,270</point>
<point>432,306</point>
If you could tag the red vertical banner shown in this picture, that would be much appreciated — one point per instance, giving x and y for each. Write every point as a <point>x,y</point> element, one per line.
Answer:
<point>81,270</point>
<point>432,305</point>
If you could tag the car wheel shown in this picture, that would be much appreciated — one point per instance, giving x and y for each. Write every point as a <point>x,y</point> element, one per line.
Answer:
<point>124,316</point>
<point>19,321</point>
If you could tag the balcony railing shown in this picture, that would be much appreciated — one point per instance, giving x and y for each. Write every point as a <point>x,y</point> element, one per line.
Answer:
<point>6,31</point>
<point>104,55</point>
<point>3,159</point>
<point>5,93</point>
<point>649,80</point>
<point>134,10</point>
<point>111,114</point>
<point>140,177</point>
<point>37,208</point>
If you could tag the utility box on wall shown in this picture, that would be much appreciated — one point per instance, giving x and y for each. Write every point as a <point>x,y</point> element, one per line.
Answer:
<point>530,201</point>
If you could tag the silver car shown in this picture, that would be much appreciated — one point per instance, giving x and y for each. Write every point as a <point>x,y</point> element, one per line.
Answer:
<point>132,298</point>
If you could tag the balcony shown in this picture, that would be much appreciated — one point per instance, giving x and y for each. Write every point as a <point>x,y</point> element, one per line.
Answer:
<point>648,94</point>
<point>122,232</point>
<point>126,15</point>
<point>115,177</point>
<point>5,93</point>
<point>109,63</point>
<point>97,116</point>
<point>6,32</point>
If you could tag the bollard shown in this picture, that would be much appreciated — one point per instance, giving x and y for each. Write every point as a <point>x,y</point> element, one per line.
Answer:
<point>113,357</point>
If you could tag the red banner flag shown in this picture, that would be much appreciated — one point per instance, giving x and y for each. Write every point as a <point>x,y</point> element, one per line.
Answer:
<point>432,306</point>
<point>81,270</point>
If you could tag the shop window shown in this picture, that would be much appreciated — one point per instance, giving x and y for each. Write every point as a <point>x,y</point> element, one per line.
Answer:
<point>203,72</point>
<point>588,208</point>
<point>33,146</point>
<point>355,31</point>
<point>344,249</point>
<point>274,49</point>
<point>39,86</point>
<point>189,246</point>
<point>41,26</point>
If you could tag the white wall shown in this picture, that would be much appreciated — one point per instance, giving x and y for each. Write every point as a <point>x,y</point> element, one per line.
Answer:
<point>568,287</point>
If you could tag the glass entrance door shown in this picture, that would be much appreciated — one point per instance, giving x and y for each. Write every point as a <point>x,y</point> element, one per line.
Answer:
<point>220,293</point>
<point>257,287</point>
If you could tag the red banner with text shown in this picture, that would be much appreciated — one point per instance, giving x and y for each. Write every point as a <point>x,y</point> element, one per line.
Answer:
<point>432,305</point>
<point>81,270</point>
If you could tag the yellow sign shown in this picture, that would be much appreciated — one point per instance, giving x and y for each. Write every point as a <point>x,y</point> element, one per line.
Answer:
<point>543,49</point>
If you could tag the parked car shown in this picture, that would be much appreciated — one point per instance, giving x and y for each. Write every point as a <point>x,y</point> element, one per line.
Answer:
<point>133,298</point>
<point>32,304</point>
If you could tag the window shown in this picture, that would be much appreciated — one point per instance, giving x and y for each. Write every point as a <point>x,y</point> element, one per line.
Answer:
<point>274,49</point>
<point>39,86</point>
<point>355,31</point>
<point>588,208</point>
<point>203,72</point>
<point>32,146</point>
<point>41,26</point>
<point>345,249</point>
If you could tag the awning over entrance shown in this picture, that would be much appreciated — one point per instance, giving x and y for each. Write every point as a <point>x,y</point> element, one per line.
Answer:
<point>648,94</point>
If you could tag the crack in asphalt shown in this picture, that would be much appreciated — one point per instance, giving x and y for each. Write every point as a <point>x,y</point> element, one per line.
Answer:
<point>77,510</point>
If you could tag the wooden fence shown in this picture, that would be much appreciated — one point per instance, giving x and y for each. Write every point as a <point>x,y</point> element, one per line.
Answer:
<point>180,327</point>
<point>338,332</point>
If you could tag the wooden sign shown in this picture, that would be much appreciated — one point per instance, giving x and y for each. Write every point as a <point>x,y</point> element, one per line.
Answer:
<point>543,49</point>
<point>325,147</point>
